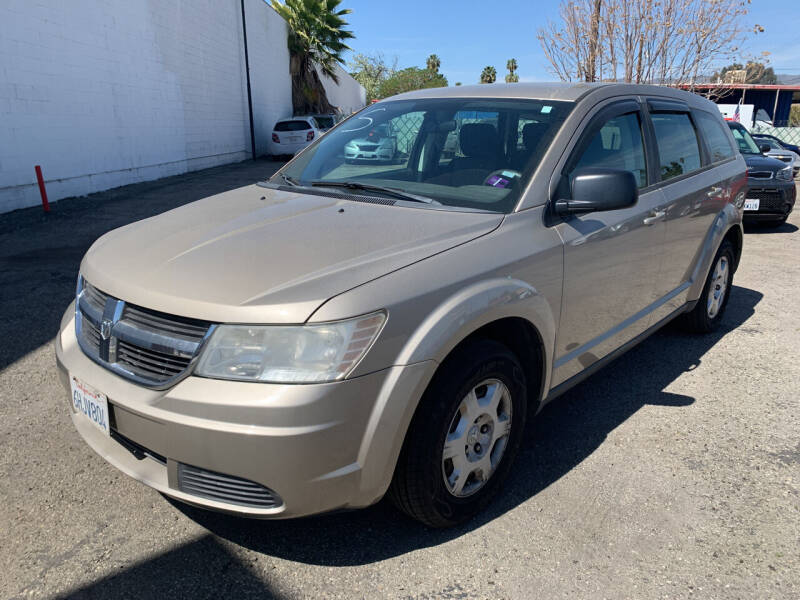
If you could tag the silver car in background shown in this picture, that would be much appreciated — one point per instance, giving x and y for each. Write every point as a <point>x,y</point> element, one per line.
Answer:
<point>774,149</point>
<point>347,331</point>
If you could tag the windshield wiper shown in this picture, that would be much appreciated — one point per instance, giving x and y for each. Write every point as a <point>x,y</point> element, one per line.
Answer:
<point>368,187</point>
<point>290,180</point>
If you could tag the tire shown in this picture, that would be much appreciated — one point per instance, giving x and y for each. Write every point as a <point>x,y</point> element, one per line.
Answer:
<point>418,487</point>
<point>701,319</point>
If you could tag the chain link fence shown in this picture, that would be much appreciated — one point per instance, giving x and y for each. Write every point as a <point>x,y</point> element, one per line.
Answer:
<point>790,135</point>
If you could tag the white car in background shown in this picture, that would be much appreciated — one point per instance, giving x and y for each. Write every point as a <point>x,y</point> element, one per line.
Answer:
<point>378,145</point>
<point>291,135</point>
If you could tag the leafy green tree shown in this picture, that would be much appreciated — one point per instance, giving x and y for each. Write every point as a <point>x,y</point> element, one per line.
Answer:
<point>794,115</point>
<point>754,72</point>
<point>316,40</point>
<point>412,78</point>
<point>512,76</point>
<point>433,63</point>
<point>458,83</point>
<point>371,71</point>
<point>488,75</point>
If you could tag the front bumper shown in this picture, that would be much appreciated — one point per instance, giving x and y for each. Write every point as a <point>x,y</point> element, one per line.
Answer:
<point>318,447</point>
<point>776,199</point>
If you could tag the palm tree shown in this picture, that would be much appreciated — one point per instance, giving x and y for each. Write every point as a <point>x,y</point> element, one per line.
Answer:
<point>488,75</point>
<point>316,42</point>
<point>433,63</point>
<point>512,76</point>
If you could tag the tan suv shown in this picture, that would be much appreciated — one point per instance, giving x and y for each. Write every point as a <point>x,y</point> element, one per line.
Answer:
<point>344,331</point>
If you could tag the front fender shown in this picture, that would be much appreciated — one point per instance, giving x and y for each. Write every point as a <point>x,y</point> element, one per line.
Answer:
<point>471,308</point>
<point>450,322</point>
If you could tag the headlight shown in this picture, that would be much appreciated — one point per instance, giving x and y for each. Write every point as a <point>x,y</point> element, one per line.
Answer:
<point>785,174</point>
<point>289,354</point>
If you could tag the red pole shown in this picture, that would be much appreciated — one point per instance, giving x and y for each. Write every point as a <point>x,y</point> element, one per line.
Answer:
<point>42,191</point>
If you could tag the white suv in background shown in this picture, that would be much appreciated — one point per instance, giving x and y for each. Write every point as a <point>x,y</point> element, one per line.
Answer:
<point>291,135</point>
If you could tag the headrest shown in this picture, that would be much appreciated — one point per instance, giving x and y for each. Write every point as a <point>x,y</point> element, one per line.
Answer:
<point>532,134</point>
<point>478,140</point>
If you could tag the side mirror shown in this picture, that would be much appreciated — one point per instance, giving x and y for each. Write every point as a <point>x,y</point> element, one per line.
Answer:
<point>596,189</point>
<point>765,148</point>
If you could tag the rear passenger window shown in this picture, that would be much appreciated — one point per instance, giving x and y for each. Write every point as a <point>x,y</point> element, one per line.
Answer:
<point>715,134</point>
<point>617,145</point>
<point>677,144</point>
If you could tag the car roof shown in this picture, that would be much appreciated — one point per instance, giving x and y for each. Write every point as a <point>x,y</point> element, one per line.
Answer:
<point>287,119</point>
<point>562,90</point>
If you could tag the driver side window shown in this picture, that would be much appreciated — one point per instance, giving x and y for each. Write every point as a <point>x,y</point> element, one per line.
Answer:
<point>617,144</point>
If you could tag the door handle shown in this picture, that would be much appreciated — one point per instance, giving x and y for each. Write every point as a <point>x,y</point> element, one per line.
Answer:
<point>655,216</point>
<point>714,192</point>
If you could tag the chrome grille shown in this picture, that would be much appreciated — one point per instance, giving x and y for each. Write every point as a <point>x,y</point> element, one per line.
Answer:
<point>91,335</point>
<point>150,363</point>
<point>225,488</point>
<point>760,174</point>
<point>152,348</point>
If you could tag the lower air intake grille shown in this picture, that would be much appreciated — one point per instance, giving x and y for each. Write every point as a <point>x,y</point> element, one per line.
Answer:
<point>770,201</point>
<point>225,488</point>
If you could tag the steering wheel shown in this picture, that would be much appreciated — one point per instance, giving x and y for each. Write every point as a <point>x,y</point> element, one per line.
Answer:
<point>502,178</point>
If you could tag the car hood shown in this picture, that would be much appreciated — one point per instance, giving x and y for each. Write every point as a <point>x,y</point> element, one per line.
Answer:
<point>763,163</point>
<point>258,255</point>
<point>366,140</point>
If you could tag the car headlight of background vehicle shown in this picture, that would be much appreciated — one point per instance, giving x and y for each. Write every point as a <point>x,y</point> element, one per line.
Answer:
<point>313,353</point>
<point>785,174</point>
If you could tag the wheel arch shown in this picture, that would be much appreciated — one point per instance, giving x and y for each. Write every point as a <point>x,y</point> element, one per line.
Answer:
<point>735,235</point>
<point>501,309</point>
<point>522,338</point>
<point>728,226</point>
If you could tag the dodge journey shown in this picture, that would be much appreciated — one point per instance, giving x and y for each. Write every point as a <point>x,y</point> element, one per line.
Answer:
<point>349,330</point>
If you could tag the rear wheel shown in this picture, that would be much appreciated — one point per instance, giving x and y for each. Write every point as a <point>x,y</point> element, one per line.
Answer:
<point>707,314</point>
<point>463,437</point>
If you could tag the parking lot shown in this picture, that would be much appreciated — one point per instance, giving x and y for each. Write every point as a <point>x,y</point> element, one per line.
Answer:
<point>674,472</point>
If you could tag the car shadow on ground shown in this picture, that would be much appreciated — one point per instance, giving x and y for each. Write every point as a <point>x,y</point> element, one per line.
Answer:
<point>759,228</point>
<point>564,434</point>
<point>203,568</point>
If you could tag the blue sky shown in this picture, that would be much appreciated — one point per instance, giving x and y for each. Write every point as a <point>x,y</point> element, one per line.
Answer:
<point>468,35</point>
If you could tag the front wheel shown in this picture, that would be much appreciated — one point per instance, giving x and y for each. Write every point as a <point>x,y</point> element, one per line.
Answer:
<point>707,314</point>
<point>463,437</point>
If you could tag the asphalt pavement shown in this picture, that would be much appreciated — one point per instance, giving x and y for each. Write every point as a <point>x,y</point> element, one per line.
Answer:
<point>672,473</point>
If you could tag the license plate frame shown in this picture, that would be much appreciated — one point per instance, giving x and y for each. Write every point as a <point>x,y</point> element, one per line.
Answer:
<point>90,404</point>
<point>752,203</point>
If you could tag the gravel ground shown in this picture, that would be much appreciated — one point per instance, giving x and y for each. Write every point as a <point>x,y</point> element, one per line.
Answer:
<point>674,472</point>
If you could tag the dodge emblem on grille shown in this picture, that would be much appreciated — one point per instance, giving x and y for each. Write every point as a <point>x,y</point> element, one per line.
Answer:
<point>105,329</point>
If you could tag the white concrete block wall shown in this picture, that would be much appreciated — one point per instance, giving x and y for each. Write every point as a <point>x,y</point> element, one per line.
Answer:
<point>270,83</point>
<point>102,93</point>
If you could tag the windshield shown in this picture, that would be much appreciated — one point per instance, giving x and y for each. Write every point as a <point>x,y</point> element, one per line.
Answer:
<point>470,153</point>
<point>773,145</point>
<point>744,140</point>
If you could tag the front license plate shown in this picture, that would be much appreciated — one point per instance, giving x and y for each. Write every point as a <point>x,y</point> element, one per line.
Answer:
<point>90,403</point>
<point>751,203</point>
